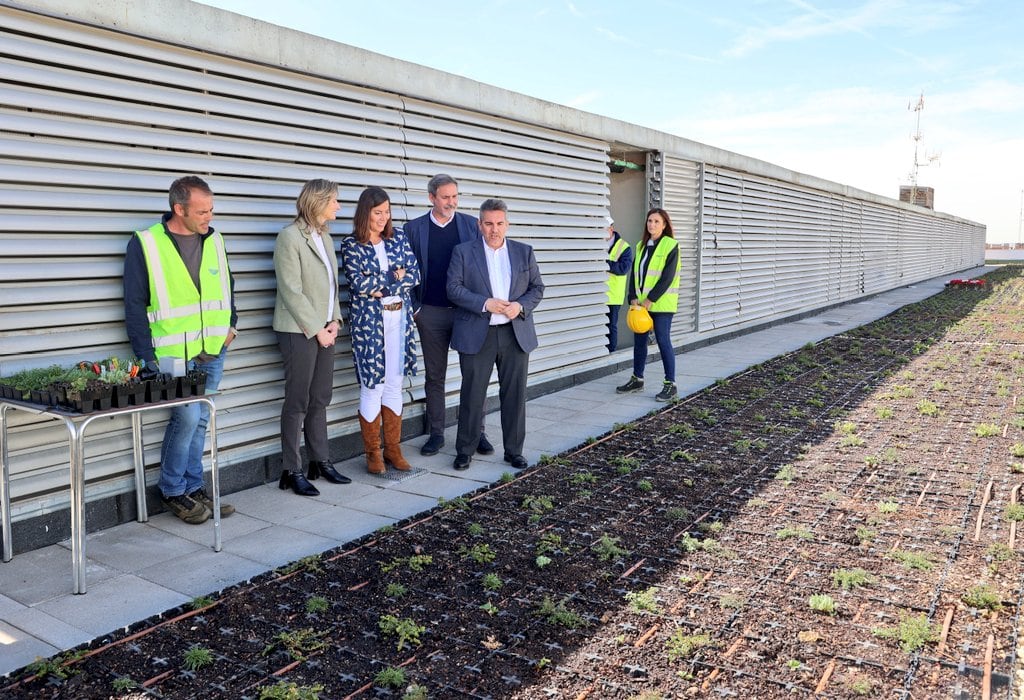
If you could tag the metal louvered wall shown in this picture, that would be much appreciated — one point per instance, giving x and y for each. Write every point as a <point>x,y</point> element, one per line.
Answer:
<point>674,185</point>
<point>773,249</point>
<point>94,126</point>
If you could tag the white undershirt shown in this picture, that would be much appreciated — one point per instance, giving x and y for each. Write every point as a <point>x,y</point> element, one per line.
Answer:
<point>382,260</point>
<point>318,240</point>
<point>499,271</point>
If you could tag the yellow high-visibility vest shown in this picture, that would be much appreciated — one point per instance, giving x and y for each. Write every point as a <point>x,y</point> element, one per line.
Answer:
<point>186,321</point>
<point>617,283</point>
<point>669,301</point>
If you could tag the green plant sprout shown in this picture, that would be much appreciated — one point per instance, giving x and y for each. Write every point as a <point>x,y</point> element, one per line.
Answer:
<point>823,603</point>
<point>558,614</point>
<point>987,430</point>
<point>912,560</point>
<point>390,677</point>
<point>888,507</point>
<point>848,579</point>
<point>395,590</point>
<point>491,582</point>
<point>316,604</point>
<point>406,629</point>
<point>481,553</point>
<point>608,549</point>
<point>287,690</point>
<point>913,632</point>
<point>298,643</point>
<point>1015,512</point>
<point>983,597</point>
<point>799,532</point>
<point>786,474</point>
<point>197,657</point>
<point>644,601</point>
<point>682,646</point>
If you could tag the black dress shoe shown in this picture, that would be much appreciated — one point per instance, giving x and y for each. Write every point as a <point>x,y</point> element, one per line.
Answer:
<point>517,461</point>
<point>461,462</point>
<point>484,447</point>
<point>328,472</point>
<point>432,446</point>
<point>298,483</point>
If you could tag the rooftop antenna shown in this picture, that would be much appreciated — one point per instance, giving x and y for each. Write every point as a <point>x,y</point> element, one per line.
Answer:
<point>918,108</point>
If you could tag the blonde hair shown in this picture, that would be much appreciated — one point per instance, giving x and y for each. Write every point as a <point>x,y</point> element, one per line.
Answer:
<point>312,199</point>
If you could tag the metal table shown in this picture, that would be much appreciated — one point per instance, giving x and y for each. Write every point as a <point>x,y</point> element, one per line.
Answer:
<point>76,424</point>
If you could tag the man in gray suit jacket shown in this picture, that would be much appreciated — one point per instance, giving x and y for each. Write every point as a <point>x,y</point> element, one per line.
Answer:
<point>495,285</point>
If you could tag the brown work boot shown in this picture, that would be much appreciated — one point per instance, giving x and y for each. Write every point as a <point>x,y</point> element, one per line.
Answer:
<point>393,440</point>
<point>192,512</point>
<point>371,444</point>
<point>200,496</point>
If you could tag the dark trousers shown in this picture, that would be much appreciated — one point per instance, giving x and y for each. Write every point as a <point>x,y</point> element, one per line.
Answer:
<point>435,326</point>
<point>502,349</point>
<point>663,334</point>
<point>308,385</point>
<point>613,327</point>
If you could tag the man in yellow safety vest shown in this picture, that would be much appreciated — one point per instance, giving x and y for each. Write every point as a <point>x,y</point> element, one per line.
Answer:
<point>179,311</point>
<point>620,260</point>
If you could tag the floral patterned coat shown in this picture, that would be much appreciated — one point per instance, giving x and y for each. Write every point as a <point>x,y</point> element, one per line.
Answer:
<point>366,323</point>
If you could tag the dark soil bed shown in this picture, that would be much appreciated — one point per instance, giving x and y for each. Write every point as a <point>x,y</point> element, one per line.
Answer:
<point>839,522</point>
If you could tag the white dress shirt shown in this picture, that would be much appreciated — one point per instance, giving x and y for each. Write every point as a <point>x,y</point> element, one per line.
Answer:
<point>499,271</point>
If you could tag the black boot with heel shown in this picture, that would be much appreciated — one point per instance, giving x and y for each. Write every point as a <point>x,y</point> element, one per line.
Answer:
<point>298,483</point>
<point>327,471</point>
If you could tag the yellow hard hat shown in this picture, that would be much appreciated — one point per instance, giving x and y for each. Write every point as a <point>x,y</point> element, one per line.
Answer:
<point>639,320</point>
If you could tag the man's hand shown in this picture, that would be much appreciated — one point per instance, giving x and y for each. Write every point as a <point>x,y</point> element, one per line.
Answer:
<point>496,306</point>
<point>512,310</point>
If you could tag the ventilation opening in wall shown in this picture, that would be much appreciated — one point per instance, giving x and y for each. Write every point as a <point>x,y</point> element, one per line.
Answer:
<point>627,174</point>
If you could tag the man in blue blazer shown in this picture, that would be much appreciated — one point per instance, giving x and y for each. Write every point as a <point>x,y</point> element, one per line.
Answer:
<point>495,285</point>
<point>433,237</point>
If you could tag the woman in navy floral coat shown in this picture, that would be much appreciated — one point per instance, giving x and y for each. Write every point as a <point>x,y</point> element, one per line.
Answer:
<point>381,271</point>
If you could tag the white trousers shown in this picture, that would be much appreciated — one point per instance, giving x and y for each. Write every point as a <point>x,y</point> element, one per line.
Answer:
<point>389,392</point>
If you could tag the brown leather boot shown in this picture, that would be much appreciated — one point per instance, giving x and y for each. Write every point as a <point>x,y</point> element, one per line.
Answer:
<point>393,440</point>
<point>371,444</point>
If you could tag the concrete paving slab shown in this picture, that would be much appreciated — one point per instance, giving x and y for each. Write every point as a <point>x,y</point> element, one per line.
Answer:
<point>112,604</point>
<point>9,606</point>
<point>393,504</point>
<point>341,524</point>
<point>267,504</point>
<point>48,628</point>
<point>123,548</point>
<point>21,648</point>
<point>202,573</point>
<point>278,545</point>
<point>44,574</point>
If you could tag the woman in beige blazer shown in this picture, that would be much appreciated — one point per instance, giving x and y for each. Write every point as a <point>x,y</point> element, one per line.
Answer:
<point>307,318</point>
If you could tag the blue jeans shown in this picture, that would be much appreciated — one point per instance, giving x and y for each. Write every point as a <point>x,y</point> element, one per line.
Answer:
<point>663,334</point>
<point>613,327</point>
<point>181,456</point>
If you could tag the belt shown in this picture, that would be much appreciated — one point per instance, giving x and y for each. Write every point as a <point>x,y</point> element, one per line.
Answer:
<point>392,307</point>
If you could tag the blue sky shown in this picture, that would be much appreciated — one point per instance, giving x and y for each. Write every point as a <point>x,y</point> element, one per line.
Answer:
<point>822,87</point>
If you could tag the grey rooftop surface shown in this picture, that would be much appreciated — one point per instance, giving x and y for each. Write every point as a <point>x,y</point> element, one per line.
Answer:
<point>136,570</point>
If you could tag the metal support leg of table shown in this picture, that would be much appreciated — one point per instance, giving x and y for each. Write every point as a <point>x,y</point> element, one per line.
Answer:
<point>76,425</point>
<point>5,481</point>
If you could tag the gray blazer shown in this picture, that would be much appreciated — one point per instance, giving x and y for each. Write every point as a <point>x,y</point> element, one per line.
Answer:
<point>469,287</point>
<point>303,287</point>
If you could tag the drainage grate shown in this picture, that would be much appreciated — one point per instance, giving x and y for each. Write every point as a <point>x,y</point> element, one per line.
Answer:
<point>395,475</point>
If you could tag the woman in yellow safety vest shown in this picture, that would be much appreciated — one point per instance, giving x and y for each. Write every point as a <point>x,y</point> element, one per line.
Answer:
<point>655,286</point>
